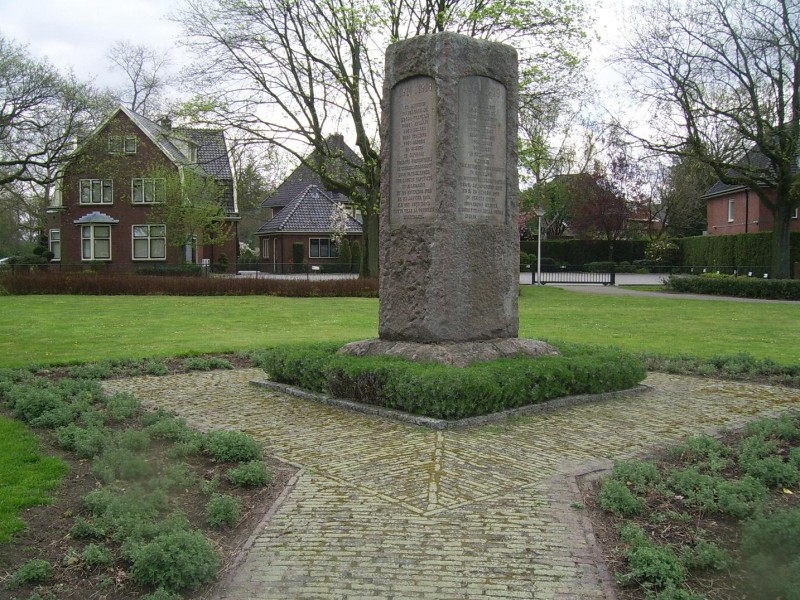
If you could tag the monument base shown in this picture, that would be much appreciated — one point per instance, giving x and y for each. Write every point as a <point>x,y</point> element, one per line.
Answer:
<point>459,354</point>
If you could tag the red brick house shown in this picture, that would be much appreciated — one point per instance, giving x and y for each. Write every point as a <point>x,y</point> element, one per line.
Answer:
<point>302,210</point>
<point>738,209</point>
<point>102,211</point>
<point>308,220</point>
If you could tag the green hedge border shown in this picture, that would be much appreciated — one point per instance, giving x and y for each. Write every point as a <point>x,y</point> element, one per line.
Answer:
<point>738,287</point>
<point>448,392</point>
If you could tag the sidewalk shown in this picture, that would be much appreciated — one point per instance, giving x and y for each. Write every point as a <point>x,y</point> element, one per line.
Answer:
<point>385,510</point>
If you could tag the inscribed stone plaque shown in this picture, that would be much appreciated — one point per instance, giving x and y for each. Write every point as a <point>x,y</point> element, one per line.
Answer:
<point>481,193</point>
<point>413,140</point>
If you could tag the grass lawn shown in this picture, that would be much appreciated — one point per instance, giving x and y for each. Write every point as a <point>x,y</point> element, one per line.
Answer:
<point>26,477</point>
<point>64,329</point>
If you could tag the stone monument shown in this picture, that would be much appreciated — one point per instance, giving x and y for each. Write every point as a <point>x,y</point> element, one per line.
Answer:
<point>449,243</point>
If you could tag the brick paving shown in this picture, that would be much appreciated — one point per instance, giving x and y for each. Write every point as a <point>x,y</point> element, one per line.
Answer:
<point>381,509</point>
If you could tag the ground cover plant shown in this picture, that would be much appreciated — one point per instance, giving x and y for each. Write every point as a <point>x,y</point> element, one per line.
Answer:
<point>150,508</point>
<point>449,392</point>
<point>710,518</point>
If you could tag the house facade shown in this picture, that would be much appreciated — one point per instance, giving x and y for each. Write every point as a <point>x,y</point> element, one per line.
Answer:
<point>309,220</point>
<point>737,209</point>
<point>303,211</point>
<point>104,210</point>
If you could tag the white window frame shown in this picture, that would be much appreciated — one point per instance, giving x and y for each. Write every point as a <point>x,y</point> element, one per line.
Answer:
<point>333,250</point>
<point>54,244</point>
<point>152,235</point>
<point>731,210</point>
<point>90,239</point>
<point>795,212</point>
<point>159,190</point>
<point>102,188</point>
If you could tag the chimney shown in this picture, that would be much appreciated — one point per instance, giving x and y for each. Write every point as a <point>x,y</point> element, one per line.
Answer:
<point>165,123</point>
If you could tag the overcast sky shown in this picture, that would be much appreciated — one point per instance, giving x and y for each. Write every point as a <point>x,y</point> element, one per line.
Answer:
<point>77,34</point>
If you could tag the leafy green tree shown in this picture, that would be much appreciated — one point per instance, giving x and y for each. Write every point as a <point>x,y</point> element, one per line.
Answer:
<point>317,66</point>
<point>190,205</point>
<point>722,83</point>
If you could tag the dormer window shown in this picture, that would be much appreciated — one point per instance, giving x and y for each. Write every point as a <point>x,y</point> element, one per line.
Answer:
<point>193,154</point>
<point>117,144</point>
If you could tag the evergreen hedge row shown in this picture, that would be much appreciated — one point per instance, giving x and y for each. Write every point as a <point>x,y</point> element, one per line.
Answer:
<point>449,392</point>
<point>741,287</point>
<point>740,250</point>
<point>579,252</point>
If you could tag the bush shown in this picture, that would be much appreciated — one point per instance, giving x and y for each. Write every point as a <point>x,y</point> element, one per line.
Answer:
<point>175,561</point>
<point>168,427</point>
<point>162,594</point>
<point>741,287</point>
<point>706,555</point>
<point>122,406</point>
<point>250,474</point>
<point>223,509</point>
<point>639,474</point>
<point>118,463</point>
<point>649,565</point>
<point>231,446</point>
<point>617,498</point>
<point>85,442</point>
<point>95,555</point>
<point>448,392</point>
<point>83,529</point>
<point>771,549</point>
<point>197,363</point>
<point>33,571</point>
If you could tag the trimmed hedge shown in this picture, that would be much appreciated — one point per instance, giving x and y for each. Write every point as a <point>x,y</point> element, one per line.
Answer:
<point>449,392</point>
<point>740,250</point>
<point>742,287</point>
<point>578,252</point>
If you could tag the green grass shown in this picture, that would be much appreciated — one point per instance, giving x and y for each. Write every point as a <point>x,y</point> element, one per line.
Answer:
<point>69,329</point>
<point>26,477</point>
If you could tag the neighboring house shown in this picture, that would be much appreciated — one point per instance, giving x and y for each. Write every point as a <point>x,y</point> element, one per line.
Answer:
<point>308,220</point>
<point>738,209</point>
<point>103,209</point>
<point>301,210</point>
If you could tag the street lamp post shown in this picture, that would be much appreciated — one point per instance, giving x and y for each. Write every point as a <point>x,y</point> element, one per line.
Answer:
<point>539,213</point>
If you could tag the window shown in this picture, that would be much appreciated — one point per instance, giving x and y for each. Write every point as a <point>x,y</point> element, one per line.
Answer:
<point>794,213</point>
<point>731,210</point>
<point>149,242</point>
<point>118,144</point>
<point>148,191</point>
<point>97,191</point>
<point>55,243</point>
<point>322,248</point>
<point>265,247</point>
<point>96,242</point>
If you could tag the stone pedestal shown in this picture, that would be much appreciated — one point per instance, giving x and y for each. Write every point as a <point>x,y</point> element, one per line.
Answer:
<point>449,240</point>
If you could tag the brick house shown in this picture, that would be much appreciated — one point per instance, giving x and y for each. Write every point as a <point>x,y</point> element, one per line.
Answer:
<point>738,209</point>
<point>308,220</point>
<point>301,211</point>
<point>102,211</point>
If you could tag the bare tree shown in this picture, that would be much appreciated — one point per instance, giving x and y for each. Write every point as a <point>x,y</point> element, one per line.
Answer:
<point>721,79</point>
<point>295,71</point>
<point>147,73</point>
<point>41,115</point>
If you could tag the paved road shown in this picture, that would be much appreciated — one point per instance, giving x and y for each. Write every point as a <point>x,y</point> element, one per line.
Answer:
<point>381,509</point>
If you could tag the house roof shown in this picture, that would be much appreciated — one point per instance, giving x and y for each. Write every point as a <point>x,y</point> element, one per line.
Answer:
<point>311,211</point>
<point>754,160</point>
<point>212,152</point>
<point>303,176</point>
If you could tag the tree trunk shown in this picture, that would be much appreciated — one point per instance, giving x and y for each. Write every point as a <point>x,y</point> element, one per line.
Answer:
<point>781,244</point>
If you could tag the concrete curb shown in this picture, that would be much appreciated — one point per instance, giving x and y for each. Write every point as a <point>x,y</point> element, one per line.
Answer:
<point>442,424</point>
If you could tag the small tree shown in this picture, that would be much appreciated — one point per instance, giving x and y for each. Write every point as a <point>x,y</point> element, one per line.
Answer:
<point>355,256</point>
<point>344,254</point>
<point>190,205</point>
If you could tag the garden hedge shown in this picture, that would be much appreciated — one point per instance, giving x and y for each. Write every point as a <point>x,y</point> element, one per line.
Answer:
<point>449,392</point>
<point>742,287</point>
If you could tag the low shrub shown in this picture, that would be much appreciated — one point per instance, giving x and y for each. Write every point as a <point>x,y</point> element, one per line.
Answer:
<point>86,529</point>
<point>119,463</point>
<point>231,446</point>
<point>85,442</point>
<point>223,509</point>
<point>448,392</point>
<point>253,473</point>
<point>742,287</point>
<point>168,427</point>
<point>706,555</point>
<point>162,594</point>
<point>638,474</point>
<point>739,366</point>
<point>771,549</point>
<point>33,571</point>
<point>198,363</point>
<point>122,406</point>
<point>704,452</point>
<point>133,440</point>
<point>175,561</point>
<point>617,498</point>
<point>649,565</point>
<point>96,555</point>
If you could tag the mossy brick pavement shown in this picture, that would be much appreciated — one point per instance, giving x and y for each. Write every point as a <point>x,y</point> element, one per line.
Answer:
<point>381,509</point>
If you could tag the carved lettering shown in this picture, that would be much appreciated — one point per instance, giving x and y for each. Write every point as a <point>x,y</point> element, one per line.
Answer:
<point>413,136</point>
<point>481,193</point>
